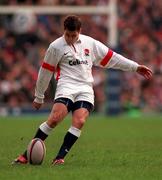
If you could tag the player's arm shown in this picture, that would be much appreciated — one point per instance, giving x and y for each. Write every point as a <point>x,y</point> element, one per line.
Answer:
<point>118,61</point>
<point>44,76</point>
<point>108,59</point>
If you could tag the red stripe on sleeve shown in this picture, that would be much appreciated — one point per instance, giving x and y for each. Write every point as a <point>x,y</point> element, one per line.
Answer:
<point>48,67</point>
<point>58,73</point>
<point>106,59</point>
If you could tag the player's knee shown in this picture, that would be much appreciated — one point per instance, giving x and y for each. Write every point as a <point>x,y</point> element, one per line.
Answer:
<point>55,118</point>
<point>79,118</point>
<point>79,122</point>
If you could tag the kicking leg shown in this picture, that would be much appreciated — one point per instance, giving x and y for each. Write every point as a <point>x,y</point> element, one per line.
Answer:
<point>59,111</point>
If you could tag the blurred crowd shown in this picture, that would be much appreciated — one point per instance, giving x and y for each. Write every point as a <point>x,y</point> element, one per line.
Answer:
<point>140,38</point>
<point>54,2</point>
<point>25,37</point>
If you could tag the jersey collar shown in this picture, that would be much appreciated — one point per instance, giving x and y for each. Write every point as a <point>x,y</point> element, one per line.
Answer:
<point>78,41</point>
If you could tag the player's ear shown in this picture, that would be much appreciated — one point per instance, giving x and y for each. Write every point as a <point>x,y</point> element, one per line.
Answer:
<point>80,30</point>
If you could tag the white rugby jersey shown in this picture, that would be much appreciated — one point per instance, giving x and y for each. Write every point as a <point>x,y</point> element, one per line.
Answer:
<point>72,65</point>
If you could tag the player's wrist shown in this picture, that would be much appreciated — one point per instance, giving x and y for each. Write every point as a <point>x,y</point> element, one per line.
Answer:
<point>39,100</point>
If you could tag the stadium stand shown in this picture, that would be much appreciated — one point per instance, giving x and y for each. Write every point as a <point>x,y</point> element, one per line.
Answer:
<point>140,37</point>
<point>25,37</point>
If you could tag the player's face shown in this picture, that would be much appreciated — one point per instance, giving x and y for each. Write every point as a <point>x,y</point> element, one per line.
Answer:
<point>71,36</point>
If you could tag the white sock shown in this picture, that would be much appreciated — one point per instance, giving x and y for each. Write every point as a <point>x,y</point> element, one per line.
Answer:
<point>45,128</point>
<point>75,131</point>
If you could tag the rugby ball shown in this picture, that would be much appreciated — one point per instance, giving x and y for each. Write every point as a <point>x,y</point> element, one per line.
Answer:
<point>36,151</point>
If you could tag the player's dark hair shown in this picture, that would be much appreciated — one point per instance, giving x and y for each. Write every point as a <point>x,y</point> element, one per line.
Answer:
<point>72,23</point>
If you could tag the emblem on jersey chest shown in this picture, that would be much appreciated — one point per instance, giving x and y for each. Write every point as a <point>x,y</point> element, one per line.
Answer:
<point>86,52</point>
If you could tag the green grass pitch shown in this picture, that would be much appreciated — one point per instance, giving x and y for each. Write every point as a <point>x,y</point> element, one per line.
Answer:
<point>108,149</point>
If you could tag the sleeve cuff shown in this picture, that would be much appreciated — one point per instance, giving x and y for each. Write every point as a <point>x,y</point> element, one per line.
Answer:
<point>135,67</point>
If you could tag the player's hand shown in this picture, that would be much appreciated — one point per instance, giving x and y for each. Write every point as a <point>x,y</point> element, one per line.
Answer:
<point>36,105</point>
<point>144,71</point>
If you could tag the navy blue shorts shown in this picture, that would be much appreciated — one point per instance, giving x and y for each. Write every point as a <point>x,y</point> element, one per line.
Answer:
<point>72,106</point>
